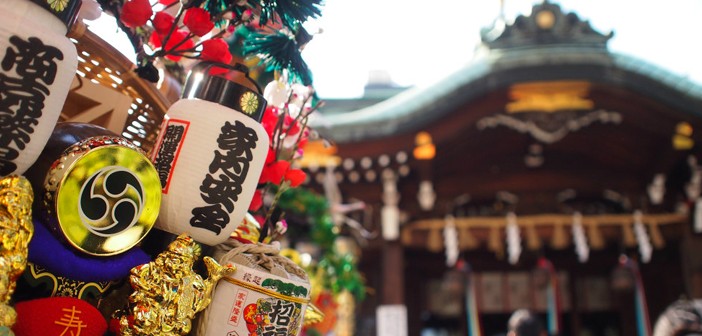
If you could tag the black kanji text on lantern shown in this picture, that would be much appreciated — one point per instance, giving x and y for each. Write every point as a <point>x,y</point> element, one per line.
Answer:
<point>220,188</point>
<point>22,95</point>
<point>167,151</point>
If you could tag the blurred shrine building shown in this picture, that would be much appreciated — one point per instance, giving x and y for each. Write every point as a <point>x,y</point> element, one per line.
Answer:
<point>547,146</point>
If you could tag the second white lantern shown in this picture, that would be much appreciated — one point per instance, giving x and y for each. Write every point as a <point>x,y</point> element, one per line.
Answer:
<point>210,154</point>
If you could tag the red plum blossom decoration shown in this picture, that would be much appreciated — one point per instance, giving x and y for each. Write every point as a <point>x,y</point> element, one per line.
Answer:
<point>216,50</point>
<point>136,13</point>
<point>178,41</point>
<point>198,21</point>
<point>163,22</point>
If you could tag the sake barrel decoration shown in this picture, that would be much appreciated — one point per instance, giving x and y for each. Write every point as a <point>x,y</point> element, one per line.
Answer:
<point>37,65</point>
<point>210,153</point>
<point>268,293</point>
<point>101,194</point>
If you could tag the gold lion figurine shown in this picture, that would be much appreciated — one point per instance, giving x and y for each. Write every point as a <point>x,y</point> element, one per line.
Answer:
<point>168,293</point>
<point>16,230</point>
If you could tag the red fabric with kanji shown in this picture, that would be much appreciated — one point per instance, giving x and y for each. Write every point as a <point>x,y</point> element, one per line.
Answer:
<point>58,316</point>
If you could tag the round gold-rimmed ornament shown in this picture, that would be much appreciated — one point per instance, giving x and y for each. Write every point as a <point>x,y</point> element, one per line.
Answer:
<point>103,194</point>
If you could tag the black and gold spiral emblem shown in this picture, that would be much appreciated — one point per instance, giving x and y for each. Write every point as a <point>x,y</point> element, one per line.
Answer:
<point>107,199</point>
<point>111,201</point>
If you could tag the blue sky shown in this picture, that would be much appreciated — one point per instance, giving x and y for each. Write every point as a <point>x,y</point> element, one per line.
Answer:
<point>419,42</point>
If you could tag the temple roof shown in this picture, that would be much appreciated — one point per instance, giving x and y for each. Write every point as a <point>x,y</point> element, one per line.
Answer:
<point>544,121</point>
<point>548,45</point>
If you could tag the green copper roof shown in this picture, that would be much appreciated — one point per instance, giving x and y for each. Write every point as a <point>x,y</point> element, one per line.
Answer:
<point>528,50</point>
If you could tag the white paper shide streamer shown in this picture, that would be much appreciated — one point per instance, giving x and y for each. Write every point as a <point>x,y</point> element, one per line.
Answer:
<point>642,237</point>
<point>692,188</point>
<point>451,241</point>
<point>579,238</point>
<point>697,225</point>
<point>656,190</point>
<point>514,241</point>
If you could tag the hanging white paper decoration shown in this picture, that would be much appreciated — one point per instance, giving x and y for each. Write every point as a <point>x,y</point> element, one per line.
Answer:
<point>514,241</point>
<point>450,241</point>
<point>642,238</point>
<point>579,238</point>
<point>697,227</point>
<point>426,195</point>
<point>656,190</point>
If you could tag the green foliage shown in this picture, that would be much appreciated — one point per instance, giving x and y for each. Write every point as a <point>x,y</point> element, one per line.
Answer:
<point>218,7</point>
<point>341,274</point>
<point>279,51</point>
<point>291,12</point>
<point>340,271</point>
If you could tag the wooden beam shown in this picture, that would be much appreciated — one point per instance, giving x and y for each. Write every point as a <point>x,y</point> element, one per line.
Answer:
<point>549,219</point>
<point>553,229</point>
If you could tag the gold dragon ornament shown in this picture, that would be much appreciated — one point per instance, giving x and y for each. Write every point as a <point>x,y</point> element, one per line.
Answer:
<point>16,230</point>
<point>168,293</point>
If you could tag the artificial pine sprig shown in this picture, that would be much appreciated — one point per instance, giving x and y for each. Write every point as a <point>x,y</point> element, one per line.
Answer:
<point>291,12</point>
<point>279,51</point>
<point>217,8</point>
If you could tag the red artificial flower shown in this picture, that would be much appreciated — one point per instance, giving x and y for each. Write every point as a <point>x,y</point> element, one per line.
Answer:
<point>216,50</point>
<point>303,141</point>
<point>178,36</point>
<point>274,172</point>
<point>163,22</point>
<point>270,121</point>
<point>135,13</point>
<point>292,126</point>
<point>270,157</point>
<point>256,201</point>
<point>295,177</point>
<point>198,21</point>
<point>155,40</point>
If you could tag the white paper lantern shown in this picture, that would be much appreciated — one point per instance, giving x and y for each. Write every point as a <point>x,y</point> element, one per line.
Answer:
<point>210,155</point>
<point>37,64</point>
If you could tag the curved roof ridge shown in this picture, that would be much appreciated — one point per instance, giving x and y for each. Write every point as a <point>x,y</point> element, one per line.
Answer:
<point>420,105</point>
<point>679,82</point>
